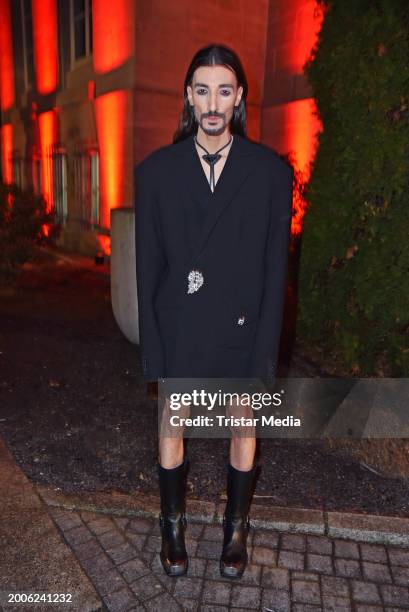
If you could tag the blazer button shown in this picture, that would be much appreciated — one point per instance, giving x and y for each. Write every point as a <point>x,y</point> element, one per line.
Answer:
<point>241,319</point>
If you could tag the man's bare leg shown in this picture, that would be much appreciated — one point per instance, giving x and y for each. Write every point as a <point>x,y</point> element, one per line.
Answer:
<point>171,452</point>
<point>242,451</point>
<point>243,440</point>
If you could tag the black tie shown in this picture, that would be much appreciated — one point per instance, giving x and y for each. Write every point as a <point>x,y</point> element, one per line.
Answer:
<point>212,159</point>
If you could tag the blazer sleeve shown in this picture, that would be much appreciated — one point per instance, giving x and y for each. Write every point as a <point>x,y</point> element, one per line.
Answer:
<point>265,349</point>
<point>150,263</point>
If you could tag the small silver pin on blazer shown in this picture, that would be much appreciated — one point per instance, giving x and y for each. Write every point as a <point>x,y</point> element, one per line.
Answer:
<point>196,280</point>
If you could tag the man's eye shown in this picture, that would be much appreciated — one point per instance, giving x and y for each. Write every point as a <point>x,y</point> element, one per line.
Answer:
<point>200,91</point>
<point>225,92</point>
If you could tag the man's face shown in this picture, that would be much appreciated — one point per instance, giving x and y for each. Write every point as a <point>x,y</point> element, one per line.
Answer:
<point>213,94</point>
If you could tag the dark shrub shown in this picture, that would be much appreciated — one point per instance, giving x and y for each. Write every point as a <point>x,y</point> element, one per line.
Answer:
<point>354,268</point>
<point>24,223</point>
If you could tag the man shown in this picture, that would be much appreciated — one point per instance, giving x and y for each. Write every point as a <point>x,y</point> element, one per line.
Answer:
<point>213,214</point>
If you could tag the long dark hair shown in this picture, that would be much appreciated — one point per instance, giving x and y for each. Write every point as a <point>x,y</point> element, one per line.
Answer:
<point>213,55</point>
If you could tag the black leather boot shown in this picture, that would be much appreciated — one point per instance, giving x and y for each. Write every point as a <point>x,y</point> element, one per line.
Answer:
<point>172,519</point>
<point>236,522</point>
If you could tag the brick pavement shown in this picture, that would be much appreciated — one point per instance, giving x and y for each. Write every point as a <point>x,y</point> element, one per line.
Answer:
<point>286,572</point>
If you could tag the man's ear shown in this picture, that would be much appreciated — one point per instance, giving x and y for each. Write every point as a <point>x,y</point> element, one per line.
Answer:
<point>190,94</point>
<point>239,95</point>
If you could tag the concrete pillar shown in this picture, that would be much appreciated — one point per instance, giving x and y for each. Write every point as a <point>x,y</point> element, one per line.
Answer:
<point>123,272</point>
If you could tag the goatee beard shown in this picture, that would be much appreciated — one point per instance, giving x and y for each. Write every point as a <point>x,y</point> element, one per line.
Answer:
<point>216,131</point>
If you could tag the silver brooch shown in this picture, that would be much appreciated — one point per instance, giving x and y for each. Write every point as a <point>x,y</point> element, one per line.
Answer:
<point>195,279</point>
<point>240,320</point>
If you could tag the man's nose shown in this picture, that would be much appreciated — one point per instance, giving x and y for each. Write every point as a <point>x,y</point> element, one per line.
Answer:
<point>213,103</point>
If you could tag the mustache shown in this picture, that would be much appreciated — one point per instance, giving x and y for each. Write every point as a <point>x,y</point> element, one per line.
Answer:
<point>212,115</point>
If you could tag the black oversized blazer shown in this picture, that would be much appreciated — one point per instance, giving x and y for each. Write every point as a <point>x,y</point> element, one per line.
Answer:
<point>236,237</point>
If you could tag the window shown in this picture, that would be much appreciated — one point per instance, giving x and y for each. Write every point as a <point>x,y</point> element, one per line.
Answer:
<point>81,29</point>
<point>59,164</point>
<point>18,169</point>
<point>27,171</point>
<point>87,187</point>
<point>28,46</point>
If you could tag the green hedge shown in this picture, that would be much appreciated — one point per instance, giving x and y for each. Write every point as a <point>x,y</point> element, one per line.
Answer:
<point>354,266</point>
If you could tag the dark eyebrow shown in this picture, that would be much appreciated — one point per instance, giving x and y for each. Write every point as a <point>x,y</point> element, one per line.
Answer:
<point>205,85</point>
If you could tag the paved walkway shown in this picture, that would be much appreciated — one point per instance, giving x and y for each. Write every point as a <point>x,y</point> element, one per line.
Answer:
<point>108,559</point>
<point>287,571</point>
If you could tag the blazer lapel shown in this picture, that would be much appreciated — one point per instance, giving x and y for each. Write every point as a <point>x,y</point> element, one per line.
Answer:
<point>239,164</point>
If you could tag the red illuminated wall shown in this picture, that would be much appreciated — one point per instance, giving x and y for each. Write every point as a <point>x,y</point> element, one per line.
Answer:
<point>304,21</point>
<point>111,112</point>
<point>6,57</point>
<point>113,47</point>
<point>45,31</point>
<point>48,129</point>
<point>6,88</point>
<point>113,28</point>
<point>6,147</point>
<point>45,44</point>
<point>295,132</point>
<point>289,123</point>
<point>298,115</point>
